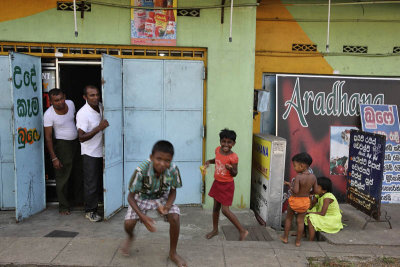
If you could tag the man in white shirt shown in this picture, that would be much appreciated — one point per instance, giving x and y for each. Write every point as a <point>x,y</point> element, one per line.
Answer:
<point>90,124</point>
<point>64,149</point>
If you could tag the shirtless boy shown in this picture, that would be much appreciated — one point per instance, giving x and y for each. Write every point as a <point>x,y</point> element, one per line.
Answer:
<point>299,191</point>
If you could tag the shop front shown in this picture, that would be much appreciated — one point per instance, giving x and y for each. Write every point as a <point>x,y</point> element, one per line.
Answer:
<point>155,99</point>
<point>149,93</point>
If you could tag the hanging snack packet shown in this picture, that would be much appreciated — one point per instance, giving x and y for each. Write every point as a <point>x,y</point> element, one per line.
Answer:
<point>203,170</point>
<point>161,24</point>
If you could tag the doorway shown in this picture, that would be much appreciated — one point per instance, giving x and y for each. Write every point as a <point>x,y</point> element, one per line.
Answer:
<point>72,77</point>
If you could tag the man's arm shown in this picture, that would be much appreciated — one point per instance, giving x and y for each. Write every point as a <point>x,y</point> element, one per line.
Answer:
<point>48,135</point>
<point>83,136</point>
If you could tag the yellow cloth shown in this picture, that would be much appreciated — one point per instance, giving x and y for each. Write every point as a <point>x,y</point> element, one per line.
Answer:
<point>332,221</point>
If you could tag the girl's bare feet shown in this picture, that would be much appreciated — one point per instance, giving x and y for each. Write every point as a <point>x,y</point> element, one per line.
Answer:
<point>243,235</point>
<point>284,240</point>
<point>212,234</point>
<point>178,260</point>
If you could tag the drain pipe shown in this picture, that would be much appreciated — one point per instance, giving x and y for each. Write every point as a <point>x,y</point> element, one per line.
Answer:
<point>76,27</point>
<point>329,23</point>
<point>230,29</point>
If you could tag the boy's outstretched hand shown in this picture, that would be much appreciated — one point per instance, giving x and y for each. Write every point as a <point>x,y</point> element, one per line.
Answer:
<point>149,223</point>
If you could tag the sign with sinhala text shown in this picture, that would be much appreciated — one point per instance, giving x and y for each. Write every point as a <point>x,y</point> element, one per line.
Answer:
<point>384,120</point>
<point>365,171</point>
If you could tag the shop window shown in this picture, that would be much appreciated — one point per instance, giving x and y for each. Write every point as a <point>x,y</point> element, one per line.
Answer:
<point>138,52</point>
<point>127,52</point>
<point>151,53</point>
<point>113,51</point>
<point>8,48</point>
<point>355,49</point>
<point>62,50</point>
<point>49,50</point>
<point>100,51</point>
<point>304,47</point>
<point>88,51</point>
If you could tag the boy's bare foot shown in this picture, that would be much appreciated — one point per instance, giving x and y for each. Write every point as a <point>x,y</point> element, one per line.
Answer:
<point>178,260</point>
<point>126,247</point>
<point>65,212</point>
<point>243,235</point>
<point>284,240</point>
<point>297,243</point>
<point>211,234</point>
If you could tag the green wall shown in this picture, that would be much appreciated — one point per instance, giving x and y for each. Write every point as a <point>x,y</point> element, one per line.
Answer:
<point>379,35</point>
<point>230,74</point>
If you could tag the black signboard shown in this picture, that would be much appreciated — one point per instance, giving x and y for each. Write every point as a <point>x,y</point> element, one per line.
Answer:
<point>365,171</point>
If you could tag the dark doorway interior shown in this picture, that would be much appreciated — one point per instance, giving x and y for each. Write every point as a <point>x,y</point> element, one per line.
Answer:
<point>73,78</point>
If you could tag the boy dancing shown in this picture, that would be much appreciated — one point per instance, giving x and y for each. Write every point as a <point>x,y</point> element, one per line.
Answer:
<point>153,186</point>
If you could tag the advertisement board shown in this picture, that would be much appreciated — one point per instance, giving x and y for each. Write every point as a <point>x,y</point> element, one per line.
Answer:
<point>153,26</point>
<point>384,120</point>
<point>365,173</point>
<point>309,105</point>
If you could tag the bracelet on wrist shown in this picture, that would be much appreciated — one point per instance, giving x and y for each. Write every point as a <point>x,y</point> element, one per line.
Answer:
<point>54,159</point>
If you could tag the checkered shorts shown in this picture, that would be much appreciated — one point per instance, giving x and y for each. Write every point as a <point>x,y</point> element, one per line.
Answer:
<point>149,204</point>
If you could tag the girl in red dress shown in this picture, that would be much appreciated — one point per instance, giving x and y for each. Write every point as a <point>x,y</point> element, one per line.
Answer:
<point>222,190</point>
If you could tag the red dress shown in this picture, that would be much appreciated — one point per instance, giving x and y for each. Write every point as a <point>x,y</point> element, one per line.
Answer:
<point>223,187</point>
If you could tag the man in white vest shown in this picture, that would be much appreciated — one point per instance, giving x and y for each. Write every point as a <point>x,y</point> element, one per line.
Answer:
<point>90,124</point>
<point>64,150</point>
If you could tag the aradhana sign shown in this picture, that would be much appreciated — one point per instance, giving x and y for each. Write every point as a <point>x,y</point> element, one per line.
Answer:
<point>308,106</point>
<point>365,172</point>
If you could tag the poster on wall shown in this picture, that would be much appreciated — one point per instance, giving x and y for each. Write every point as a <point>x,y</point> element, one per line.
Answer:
<point>261,156</point>
<point>309,105</point>
<point>339,151</point>
<point>384,120</point>
<point>365,174</point>
<point>153,26</point>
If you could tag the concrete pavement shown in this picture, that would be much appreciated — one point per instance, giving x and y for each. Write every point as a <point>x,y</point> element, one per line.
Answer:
<point>97,244</point>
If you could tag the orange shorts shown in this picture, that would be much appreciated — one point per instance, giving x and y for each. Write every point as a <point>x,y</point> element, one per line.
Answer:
<point>299,204</point>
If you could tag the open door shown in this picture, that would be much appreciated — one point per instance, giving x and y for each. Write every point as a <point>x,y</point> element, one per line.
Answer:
<point>7,181</point>
<point>113,135</point>
<point>26,84</point>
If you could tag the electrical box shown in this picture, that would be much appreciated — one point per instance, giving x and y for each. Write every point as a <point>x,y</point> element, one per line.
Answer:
<point>267,177</point>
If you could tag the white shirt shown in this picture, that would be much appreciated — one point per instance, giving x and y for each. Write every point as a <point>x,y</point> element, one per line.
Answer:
<point>63,125</point>
<point>87,119</point>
